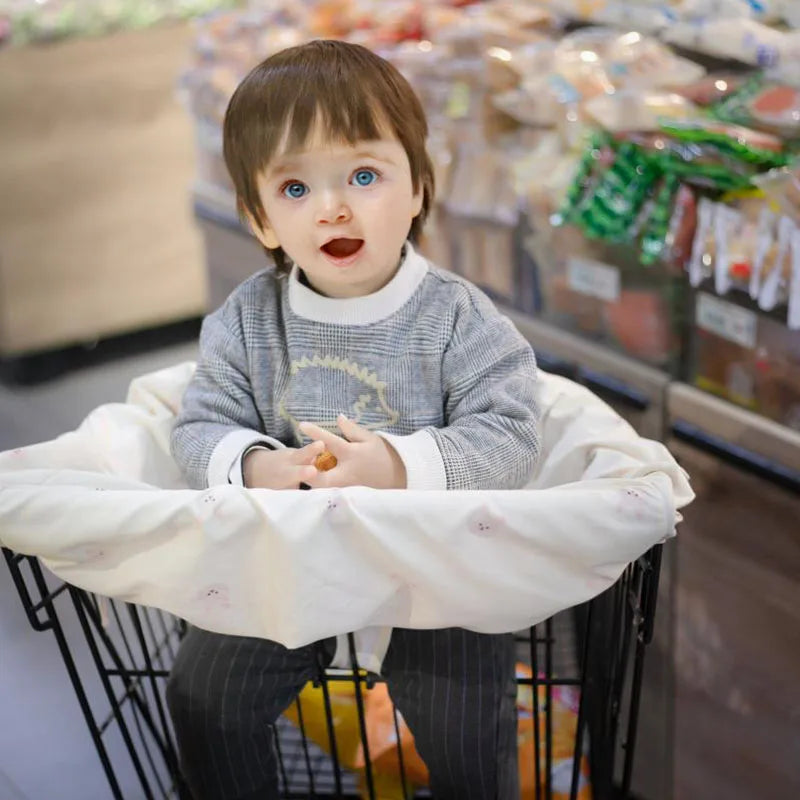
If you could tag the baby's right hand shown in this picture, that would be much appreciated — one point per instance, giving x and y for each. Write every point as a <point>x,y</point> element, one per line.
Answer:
<point>286,468</point>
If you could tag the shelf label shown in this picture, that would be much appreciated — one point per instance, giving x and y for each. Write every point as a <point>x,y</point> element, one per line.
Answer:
<point>726,320</point>
<point>593,279</point>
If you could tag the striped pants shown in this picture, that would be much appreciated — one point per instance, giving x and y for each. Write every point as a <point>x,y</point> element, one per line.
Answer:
<point>455,689</point>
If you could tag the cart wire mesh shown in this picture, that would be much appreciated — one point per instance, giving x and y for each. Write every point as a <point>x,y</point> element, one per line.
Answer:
<point>597,648</point>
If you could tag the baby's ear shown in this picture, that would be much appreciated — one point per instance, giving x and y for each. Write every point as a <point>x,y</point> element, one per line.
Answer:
<point>419,198</point>
<point>262,231</point>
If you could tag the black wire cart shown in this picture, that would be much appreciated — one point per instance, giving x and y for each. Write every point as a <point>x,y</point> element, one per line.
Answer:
<point>596,649</point>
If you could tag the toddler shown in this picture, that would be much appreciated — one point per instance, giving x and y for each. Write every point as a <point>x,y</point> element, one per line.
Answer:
<point>351,343</point>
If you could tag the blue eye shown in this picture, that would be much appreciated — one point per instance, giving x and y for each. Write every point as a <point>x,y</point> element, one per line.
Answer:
<point>295,190</point>
<point>364,177</point>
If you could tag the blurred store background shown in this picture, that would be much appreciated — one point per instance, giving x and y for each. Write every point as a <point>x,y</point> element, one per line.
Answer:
<point>623,177</point>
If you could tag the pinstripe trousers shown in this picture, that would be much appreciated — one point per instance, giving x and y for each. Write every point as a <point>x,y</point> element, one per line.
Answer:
<point>455,689</point>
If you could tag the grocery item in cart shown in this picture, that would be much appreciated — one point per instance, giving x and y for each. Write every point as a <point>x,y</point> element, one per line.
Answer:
<point>382,742</point>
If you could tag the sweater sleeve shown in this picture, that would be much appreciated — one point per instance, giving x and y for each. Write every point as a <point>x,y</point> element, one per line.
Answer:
<point>491,434</point>
<point>219,418</point>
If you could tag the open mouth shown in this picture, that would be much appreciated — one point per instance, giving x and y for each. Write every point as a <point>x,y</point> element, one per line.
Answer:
<point>342,248</point>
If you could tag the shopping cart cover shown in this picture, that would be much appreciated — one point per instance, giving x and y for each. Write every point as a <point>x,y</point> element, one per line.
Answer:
<point>107,509</point>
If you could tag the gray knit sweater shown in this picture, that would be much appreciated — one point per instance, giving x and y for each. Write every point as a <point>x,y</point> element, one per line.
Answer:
<point>427,361</point>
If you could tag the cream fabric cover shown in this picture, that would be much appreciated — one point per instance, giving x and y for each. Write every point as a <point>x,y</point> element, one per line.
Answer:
<point>107,509</point>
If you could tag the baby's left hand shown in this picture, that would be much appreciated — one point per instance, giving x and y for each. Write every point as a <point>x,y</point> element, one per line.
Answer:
<point>363,458</point>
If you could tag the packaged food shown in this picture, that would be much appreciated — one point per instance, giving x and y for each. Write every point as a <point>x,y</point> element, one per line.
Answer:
<point>776,271</point>
<point>736,38</point>
<point>601,291</point>
<point>748,358</point>
<point>764,10</point>
<point>711,89</point>
<point>741,246</point>
<point>680,233</point>
<point>704,248</point>
<point>765,250</point>
<point>733,264</point>
<point>383,729</point>
<point>597,156</point>
<point>646,18</point>
<point>636,110</point>
<point>627,60</point>
<point>781,187</point>
<point>612,209</point>
<point>699,164</point>
<point>659,216</point>
<point>755,147</point>
<point>765,104</point>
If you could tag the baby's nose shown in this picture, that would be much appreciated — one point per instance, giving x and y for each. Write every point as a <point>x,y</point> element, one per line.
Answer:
<point>333,209</point>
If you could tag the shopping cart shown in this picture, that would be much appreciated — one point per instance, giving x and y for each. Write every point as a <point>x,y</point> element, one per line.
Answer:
<point>597,649</point>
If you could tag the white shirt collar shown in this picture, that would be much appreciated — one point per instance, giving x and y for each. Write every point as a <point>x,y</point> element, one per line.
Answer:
<point>305,302</point>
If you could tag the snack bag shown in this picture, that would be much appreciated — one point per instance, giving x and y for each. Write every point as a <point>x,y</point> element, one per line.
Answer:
<point>565,704</point>
<point>764,104</point>
<point>781,187</point>
<point>711,89</point>
<point>345,718</point>
<point>382,737</point>
<point>755,147</point>
<point>704,248</point>
<point>776,271</point>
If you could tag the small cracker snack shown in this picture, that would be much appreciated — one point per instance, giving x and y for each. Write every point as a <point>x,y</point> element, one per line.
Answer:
<point>325,461</point>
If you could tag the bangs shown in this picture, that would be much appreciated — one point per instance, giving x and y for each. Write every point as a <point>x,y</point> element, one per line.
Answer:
<point>340,117</point>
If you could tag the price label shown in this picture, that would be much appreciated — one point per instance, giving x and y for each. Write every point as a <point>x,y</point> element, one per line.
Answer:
<point>593,279</point>
<point>730,322</point>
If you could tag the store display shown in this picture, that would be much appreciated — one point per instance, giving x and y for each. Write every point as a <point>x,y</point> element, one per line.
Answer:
<point>26,21</point>
<point>747,358</point>
<point>591,177</point>
<point>602,292</point>
<point>599,179</point>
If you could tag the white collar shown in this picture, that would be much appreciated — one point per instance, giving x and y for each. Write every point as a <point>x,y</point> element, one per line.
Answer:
<point>305,302</point>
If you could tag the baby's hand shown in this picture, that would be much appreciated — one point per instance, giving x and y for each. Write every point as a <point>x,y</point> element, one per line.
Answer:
<point>363,458</point>
<point>286,468</point>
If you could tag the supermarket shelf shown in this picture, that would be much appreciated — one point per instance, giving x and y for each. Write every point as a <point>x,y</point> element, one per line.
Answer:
<point>627,375</point>
<point>637,391</point>
<point>728,429</point>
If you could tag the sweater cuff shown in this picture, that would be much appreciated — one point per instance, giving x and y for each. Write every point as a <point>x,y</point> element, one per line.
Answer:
<point>422,459</point>
<point>228,454</point>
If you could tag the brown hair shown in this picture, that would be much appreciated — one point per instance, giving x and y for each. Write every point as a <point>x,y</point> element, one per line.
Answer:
<point>353,93</point>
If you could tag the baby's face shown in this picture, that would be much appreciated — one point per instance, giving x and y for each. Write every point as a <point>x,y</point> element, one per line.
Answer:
<point>341,212</point>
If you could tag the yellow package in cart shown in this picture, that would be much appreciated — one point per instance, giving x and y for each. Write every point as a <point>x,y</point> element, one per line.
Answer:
<point>382,738</point>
